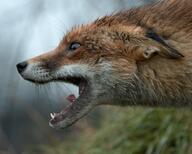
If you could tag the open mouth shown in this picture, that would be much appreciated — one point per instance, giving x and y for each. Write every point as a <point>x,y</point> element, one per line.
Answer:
<point>77,107</point>
<point>83,85</point>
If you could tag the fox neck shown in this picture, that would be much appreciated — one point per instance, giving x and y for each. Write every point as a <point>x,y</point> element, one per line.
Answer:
<point>165,84</point>
<point>150,86</point>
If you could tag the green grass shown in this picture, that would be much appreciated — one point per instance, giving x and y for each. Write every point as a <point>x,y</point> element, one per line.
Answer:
<point>135,131</point>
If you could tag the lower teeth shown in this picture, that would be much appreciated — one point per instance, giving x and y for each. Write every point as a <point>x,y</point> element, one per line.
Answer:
<point>53,115</point>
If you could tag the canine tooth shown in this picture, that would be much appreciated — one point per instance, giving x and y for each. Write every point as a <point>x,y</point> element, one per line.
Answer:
<point>52,115</point>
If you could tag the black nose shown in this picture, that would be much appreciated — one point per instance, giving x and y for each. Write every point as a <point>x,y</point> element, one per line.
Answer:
<point>22,66</point>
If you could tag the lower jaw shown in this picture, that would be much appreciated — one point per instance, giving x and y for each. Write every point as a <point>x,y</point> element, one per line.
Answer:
<point>58,118</point>
<point>66,117</point>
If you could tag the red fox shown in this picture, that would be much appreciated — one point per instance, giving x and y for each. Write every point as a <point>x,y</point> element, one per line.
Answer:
<point>142,56</point>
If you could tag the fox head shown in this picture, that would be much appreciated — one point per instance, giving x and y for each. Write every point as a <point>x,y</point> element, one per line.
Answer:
<point>102,60</point>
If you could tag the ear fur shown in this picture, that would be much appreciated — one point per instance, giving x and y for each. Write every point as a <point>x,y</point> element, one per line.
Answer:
<point>149,48</point>
<point>146,47</point>
<point>165,49</point>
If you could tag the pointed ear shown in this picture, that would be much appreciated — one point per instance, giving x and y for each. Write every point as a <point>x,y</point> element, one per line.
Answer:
<point>148,48</point>
<point>162,48</point>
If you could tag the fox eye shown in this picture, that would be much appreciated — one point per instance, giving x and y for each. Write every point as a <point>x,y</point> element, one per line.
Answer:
<point>73,46</point>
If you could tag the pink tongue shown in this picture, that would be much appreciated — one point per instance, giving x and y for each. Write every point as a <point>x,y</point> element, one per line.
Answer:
<point>71,98</point>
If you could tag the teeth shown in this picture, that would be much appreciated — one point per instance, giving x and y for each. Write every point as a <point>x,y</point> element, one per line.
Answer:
<point>52,115</point>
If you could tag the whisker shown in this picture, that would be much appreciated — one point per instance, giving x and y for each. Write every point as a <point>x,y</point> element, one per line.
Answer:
<point>47,89</point>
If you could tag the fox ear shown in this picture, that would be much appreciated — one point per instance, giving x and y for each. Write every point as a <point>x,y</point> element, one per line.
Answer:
<point>158,45</point>
<point>149,48</point>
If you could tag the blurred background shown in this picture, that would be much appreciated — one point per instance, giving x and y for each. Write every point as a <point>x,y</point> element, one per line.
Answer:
<point>29,28</point>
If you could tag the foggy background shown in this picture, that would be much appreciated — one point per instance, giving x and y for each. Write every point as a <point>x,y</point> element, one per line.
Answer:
<point>29,28</point>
